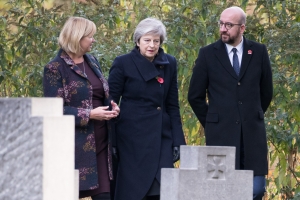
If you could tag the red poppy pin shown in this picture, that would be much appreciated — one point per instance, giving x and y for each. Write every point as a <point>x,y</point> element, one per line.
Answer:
<point>160,79</point>
<point>249,51</point>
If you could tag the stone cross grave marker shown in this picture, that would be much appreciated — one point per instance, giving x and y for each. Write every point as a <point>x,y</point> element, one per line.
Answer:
<point>206,173</point>
<point>36,150</point>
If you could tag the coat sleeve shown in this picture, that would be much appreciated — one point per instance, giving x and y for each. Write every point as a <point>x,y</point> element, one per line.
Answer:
<point>266,83</point>
<point>198,87</point>
<point>172,108</point>
<point>116,81</point>
<point>54,85</point>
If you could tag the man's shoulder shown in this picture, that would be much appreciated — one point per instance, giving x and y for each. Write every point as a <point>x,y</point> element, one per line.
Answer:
<point>253,43</point>
<point>219,43</point>
<point>214,44</point>
<point>211,46</point>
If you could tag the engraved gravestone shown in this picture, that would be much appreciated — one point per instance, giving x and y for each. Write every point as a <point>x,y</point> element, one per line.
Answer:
<point>206,173</point>
<point>36,150</point>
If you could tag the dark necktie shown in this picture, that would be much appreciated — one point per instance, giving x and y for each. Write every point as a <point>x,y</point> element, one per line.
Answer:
<point>235,62</point>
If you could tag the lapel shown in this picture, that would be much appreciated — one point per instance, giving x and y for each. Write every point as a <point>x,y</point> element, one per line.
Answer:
<point>161,60</point>
<point>247,55</point>
<point>89,59</point>
<point>147,69</point>
<point>93,64</point>
<point>70,62</point>
<point>222,55</point>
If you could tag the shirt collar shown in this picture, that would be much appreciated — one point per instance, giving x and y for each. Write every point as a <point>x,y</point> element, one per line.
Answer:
<point>239,47</point>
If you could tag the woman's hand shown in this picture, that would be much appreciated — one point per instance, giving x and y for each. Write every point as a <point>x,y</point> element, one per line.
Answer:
<point>115,107</point>
<point>103,113</point>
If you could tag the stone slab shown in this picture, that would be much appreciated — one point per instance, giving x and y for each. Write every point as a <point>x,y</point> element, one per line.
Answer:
<point>206,173</point>
<point>37,150</point>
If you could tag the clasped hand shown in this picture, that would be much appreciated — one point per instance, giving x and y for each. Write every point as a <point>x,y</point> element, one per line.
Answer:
<point>103,112</point>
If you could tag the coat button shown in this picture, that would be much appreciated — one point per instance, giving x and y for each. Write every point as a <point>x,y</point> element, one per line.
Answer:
<point>240,102</point>
<point>239,83</point>
<point>158,108</point>
<point>161,66</point>
<point>237,122</point>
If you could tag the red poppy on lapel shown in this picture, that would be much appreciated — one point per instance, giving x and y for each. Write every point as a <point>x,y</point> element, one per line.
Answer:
<point>249,51</point>
<point>160,79</point>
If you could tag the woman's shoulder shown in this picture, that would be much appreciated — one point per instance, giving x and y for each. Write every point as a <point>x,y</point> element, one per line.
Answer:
<point>170,57</point>
<point>57,58</point>
<point>91,57</point>
<point>121,59</point>
<point>55,62</point>
<point>124,56</point>
<point>165,56</point>
<point>92,60</point>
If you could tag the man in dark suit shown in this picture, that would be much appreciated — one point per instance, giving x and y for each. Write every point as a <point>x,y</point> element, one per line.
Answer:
<point>230,90</point>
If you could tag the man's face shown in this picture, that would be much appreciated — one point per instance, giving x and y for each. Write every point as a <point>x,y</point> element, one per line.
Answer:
<point>231,31</point>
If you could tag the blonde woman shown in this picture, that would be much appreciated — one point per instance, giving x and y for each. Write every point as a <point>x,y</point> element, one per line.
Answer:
<point>76,77</point>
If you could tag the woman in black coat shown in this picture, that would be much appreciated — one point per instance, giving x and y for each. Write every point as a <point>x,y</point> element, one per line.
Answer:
<point>149,131</point>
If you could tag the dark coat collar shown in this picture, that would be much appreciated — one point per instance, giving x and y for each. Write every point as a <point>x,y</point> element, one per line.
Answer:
<point>222,55</point>
<point>92,62</point>
<point>146,68</point>
<point>247,55</point>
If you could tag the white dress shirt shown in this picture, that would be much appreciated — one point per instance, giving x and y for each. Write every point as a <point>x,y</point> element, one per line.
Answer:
<point>239,52</point>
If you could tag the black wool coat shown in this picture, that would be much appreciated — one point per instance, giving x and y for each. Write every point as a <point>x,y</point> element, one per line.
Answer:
<point>236,105</point>
<point>149,124</point>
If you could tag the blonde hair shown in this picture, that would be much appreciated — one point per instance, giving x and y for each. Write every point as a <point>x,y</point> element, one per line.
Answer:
<point>74,29</point>
<point>150,26</point>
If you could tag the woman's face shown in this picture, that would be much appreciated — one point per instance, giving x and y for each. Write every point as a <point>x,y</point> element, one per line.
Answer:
<point>86,43</point>
<point>149,45</point>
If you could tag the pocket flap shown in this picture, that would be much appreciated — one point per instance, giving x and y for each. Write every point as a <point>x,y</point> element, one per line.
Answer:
<point>261,114</point>
<point>212,117</point>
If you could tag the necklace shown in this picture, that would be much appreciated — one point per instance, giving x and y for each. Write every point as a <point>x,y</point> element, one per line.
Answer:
<point>84,69</point>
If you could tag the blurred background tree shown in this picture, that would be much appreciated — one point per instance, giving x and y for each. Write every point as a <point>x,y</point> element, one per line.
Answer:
<point>28,40</point>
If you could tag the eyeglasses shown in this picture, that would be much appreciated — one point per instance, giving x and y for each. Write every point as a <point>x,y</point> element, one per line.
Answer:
<point>227,25</point>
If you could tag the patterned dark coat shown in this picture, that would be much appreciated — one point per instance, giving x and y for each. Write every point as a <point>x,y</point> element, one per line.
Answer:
<point>149,124</point>
<point>63,78</point>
